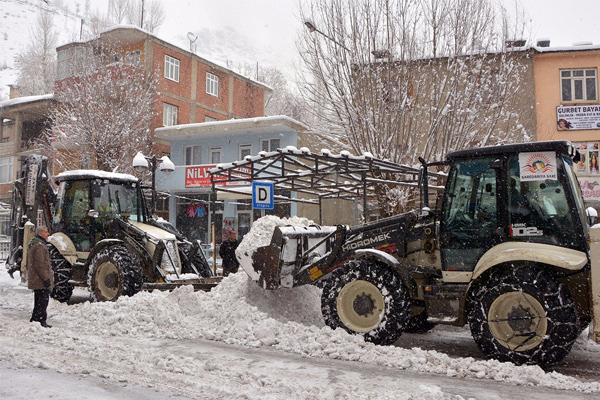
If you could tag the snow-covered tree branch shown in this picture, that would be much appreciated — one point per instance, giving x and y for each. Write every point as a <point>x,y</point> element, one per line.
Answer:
<point>103,116</point>
<point>408,78</point>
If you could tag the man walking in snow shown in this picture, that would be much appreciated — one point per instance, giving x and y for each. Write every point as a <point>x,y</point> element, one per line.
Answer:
<point>227,253</point>
<point>40,277</point>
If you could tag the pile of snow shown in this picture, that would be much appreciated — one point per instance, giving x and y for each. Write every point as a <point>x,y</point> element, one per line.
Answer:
<point>260,235</point>
<point>238,312</point>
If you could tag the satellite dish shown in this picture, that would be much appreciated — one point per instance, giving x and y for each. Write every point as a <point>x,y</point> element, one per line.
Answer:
<point>192,37</point>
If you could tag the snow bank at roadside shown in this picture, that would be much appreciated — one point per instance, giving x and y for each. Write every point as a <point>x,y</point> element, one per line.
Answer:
<point>239,312</point>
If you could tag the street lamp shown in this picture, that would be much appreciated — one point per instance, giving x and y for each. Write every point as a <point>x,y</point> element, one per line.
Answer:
<point>312,28</point>
<point>164,164</point>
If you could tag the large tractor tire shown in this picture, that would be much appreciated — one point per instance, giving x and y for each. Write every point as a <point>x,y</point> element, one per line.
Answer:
<point>417,321</point>
<point>62,274</point>
<point>524,316</point>
<point>365,298</point>
<point>202,265</point>
<point>114,272</point>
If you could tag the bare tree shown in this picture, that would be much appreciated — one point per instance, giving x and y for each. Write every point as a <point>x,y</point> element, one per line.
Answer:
<point>37,64</point>
<point>103,116</point>
<point>407,78</point>
<point>117,11</point>
<point>149,15</point>
<point>282,100</point>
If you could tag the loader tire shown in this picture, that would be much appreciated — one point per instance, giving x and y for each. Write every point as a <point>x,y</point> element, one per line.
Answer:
<point>366,298</point>
<point>62,274</point>
<point>524,316</point>
<point>202,265</point>
<point>114,272</point>
<point>417,323</point>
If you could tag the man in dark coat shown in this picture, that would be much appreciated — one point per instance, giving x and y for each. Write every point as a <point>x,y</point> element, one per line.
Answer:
<point>227,253</point>
<point>40,278</point>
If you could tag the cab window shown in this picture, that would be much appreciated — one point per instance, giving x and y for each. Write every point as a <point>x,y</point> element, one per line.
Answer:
<point>538,210</point>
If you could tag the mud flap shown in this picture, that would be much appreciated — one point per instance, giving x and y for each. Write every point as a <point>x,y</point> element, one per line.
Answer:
<point>595,282</point>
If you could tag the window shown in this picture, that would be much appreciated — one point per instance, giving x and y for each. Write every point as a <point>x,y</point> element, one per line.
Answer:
<point>470,213</point>
<point>245,150</point>
<point>193,155</point>
<point>64,61</point>
<point>170,114</point>
<point>270,144</point>
<point>212,84</point>
<point>215,155</point>
<point>115,58</point>
<point>6,169</point>
<point>578,85</point>
<point>172,68</point>
<point>133,57</point>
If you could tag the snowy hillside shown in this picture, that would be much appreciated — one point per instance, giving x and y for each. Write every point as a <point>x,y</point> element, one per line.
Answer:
<point>17,18</point>
<point>222,45</point>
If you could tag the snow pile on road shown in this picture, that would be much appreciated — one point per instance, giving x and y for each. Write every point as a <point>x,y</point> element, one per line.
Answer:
<point>239,312</point>
<point>260,235</point>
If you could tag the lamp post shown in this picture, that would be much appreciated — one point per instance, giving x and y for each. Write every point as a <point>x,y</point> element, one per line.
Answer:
<point>312,28</point>
<point>164,164</point>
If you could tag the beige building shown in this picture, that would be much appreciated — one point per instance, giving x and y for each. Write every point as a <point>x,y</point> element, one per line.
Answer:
<point>568,106</point>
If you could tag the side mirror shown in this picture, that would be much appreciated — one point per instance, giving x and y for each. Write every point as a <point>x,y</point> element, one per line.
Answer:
<point>592,214</point>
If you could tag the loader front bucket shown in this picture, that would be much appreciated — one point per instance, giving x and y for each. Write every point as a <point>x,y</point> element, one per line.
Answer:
<point>263,265</point>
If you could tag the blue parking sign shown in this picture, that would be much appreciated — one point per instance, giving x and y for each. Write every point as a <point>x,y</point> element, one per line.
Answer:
<point>262,195</point>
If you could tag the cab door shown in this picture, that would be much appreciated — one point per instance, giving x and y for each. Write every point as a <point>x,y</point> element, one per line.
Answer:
<point>470,213</point>
<point>74,208</point>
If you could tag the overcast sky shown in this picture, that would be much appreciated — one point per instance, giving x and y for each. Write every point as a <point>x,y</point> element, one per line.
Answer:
<point>273,25</point>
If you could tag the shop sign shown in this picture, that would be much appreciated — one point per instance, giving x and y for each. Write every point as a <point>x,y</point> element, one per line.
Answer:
<point>577,117</point>
<point>198,177</point>
<point>590,188</point>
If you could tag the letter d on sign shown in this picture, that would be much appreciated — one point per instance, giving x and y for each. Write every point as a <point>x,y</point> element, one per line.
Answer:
<point>263,195</point>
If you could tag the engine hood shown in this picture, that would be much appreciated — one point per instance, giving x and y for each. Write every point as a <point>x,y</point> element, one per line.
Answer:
<point>154,231</point>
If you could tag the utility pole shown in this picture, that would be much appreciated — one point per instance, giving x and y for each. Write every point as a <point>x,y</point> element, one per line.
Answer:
<point>142,16</point>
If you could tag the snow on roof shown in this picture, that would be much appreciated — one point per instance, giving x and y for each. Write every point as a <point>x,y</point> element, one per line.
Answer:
<point>96,174</point>
<point>25,99</point>
<point>228,127</point>
<point>580,46</point>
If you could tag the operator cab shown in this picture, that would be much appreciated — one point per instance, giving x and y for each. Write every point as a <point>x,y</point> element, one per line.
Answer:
<point>514,193</point>
<point>87,200</point>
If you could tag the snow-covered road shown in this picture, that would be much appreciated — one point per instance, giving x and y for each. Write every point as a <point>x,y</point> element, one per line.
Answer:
<point>242,343</point>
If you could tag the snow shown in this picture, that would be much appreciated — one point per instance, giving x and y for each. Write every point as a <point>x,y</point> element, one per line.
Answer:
<point>25,99</point>
<point>125,343</point>
<point>97,174</point>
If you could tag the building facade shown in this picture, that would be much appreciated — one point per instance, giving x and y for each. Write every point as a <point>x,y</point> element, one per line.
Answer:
<point>195,148</point>
<point>568,106</point>
<point>190,89</point>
